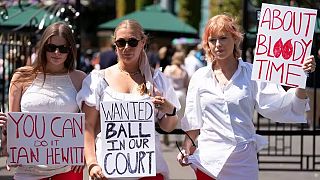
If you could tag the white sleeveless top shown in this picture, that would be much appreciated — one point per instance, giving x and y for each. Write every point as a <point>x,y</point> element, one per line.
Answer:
<point>95,89</point>
<point>57,94</point>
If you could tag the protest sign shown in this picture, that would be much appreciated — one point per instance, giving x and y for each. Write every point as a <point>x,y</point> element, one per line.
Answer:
<point>128,138</point>
<point>284,41</point>
<point>36,138</point>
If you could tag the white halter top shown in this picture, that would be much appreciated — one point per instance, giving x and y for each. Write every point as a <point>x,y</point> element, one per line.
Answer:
<point>56,94</point>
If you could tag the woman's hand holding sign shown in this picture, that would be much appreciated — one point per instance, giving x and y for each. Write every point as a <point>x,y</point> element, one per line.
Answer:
<point>3,119</point>
<point>95,171</point>
<point>309,64</point>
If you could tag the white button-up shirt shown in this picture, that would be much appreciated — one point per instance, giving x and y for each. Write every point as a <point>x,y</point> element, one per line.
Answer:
<point>227,144</point>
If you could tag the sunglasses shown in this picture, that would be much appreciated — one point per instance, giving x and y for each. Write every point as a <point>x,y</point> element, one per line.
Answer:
<point>53,48</point>
<point>132,42</point>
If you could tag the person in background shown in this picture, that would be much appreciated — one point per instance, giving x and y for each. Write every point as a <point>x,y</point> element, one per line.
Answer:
<point>195,60</point>
<point>178,77</point>
<point>165,54</point>
<point>220,104</point>
<point>32,58</point>
<point>153,55</point>
<point>50,84</point>
<point>107,57</point>
<point>131,78</point>
<point>85,61</point>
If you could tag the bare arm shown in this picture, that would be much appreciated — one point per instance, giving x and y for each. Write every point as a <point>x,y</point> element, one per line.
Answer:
<point>92,118</point>
<point>188,143</point>
<point>15,93</point>
<point>167,122</point>
<point>92,125</point>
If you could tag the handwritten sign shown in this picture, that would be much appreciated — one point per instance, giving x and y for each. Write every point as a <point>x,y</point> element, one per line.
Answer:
<point>128,139</point>
<point>46,138</point>
<point>284,41</point>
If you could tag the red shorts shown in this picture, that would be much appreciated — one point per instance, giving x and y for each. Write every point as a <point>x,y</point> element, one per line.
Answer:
<point>157,177</point>
<point>202,176</point>
<point>71,175</point>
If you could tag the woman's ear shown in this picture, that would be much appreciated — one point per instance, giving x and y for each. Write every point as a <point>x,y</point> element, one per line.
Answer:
<point>143,42</point>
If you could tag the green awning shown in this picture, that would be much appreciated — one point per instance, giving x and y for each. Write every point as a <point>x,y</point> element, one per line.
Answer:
<point>153,18</point>
<point>29,15</point>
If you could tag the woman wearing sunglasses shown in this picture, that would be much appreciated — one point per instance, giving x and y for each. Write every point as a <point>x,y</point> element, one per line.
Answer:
<point>49,85</point>
<point>219,113</point>
<point>130,79</point>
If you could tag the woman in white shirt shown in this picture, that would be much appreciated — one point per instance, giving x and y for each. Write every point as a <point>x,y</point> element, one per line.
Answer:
<point>131,79</point>
<point>219,112</point>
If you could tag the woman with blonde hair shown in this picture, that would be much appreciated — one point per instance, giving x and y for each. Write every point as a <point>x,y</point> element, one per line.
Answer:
<point>131,79</point>
<point>220,105</point>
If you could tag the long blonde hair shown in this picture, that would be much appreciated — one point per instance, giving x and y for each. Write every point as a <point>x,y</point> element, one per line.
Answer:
<point>222,23</point>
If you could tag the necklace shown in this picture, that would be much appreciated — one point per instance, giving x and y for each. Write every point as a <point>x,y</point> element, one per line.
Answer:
<point>129,73</point>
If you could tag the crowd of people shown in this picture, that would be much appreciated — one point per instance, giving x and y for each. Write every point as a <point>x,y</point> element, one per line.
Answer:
<point>217,114</point>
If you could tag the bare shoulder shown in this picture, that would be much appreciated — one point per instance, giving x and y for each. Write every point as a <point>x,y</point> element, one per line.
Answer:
<point>109,72</point>
<point>77,77</point>
<point>22,72</point>
<point>16,75</point>
<point>79,74</point>
<point>168,70</point>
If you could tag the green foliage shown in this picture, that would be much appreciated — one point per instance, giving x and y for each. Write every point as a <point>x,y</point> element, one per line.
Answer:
<point>231,7</point>
<point>190,12</point>
<point>142,3</point>
<point>124,7</point>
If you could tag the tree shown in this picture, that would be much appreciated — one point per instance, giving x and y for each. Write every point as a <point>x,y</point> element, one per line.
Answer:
<point>232,7</point>
<point>142,3</point>
<point>124,7</point>
<point>190,12</point>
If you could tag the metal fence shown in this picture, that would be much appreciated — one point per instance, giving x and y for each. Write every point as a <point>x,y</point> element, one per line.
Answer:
<point>15,50</point>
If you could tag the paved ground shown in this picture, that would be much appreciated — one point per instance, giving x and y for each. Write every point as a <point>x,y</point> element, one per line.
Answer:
<point>185,173</point>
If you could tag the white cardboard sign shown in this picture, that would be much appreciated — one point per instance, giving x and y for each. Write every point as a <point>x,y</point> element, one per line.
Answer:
<point>128,138</point>
<point>36,138</point>
<point>284,41</point>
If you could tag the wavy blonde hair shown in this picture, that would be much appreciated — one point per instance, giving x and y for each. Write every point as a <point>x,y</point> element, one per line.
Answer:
<point>218,24</point>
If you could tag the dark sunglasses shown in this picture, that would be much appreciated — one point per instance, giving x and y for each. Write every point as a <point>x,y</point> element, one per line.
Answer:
<point>132,42</point>
<point>53,48</point>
